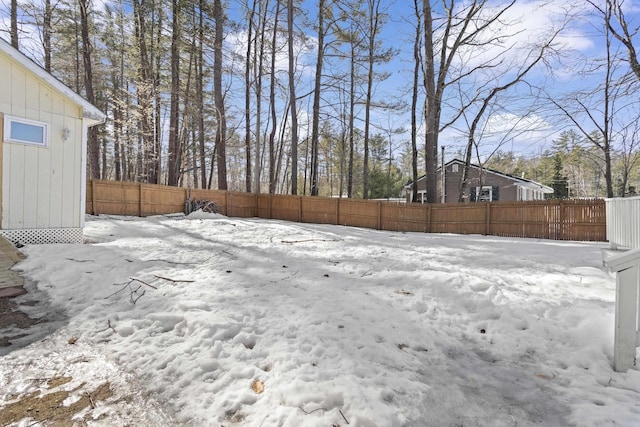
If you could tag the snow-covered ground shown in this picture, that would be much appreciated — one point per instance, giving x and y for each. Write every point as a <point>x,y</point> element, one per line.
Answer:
<point>247,322</point>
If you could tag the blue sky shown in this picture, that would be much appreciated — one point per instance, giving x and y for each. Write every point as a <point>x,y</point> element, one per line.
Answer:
<point>578,44</point>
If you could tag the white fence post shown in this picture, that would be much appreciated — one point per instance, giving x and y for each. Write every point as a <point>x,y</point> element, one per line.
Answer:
<point>623,222</point>
<point>627,338</point>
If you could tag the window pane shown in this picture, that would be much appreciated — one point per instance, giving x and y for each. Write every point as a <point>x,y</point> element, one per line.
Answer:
<point>26,132</point>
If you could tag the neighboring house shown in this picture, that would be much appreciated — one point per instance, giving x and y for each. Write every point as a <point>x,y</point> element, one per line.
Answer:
<point>495,185</point>
<point>43,132</point>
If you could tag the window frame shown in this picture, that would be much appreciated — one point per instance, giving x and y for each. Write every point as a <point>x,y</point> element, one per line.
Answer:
<point>9,120</point>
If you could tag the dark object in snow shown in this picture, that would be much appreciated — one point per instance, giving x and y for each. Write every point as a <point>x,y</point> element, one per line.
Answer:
<point>326,275</point>
<point>483,331</point>
<point>191,205</point>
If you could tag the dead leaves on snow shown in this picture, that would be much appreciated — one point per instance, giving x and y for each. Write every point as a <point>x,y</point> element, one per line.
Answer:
<point>257,386</point>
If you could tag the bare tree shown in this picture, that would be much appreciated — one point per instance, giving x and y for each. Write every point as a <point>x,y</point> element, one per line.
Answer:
<point>317,93</point>
<point>221,134</point>
<point>174,153</point>
<point>617,25</point>
<point>536,56</point>
<point>292,100</point>
<point>93,145</point>
<point>465,25</point>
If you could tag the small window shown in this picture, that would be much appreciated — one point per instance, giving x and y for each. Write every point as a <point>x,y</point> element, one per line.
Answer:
<point>454,168</point>
<point>25,131</point>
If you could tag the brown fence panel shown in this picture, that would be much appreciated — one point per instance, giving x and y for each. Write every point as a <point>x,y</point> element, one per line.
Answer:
<point>467,218</point>
<point>359,213</point>
<point>114,198</point>
<point>584,220</point>
<point>241,205</point>
<point>160,199</point>
<point>285,207</point>
<point>319,210</point>
<point>400,217</point>
<point>523,219</point>
<point>552,219</point>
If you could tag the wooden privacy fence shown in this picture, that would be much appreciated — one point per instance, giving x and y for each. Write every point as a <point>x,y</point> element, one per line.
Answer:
<point>583,220</point>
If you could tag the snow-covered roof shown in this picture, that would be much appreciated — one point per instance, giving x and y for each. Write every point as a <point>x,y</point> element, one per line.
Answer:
<point>89,111</point>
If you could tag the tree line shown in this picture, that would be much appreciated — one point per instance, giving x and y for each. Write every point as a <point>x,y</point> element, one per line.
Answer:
<point>287,96</point>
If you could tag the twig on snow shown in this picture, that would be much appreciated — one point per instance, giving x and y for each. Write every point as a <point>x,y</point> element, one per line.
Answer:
<point>309,240</point>
<point>173,280</point>
<point>93,405</point>
<point>311,412</point>
<point>345,418</point>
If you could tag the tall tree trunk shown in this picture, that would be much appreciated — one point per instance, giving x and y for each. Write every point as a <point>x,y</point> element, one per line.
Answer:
<point>173,154</point>
<point>272,103</point>
<point>317,87</point>
<point>374,17</point>
<point>431,105</point>
<point>258,65</point>
<point>155,138</point>
<point>144,94</point>
<point>200,95</point>
<point>93,145</point>
<point>221,134</point>
<point>14,23</point>
<point>414,106</point>
<point>292,101</point>
<point>352,106</point>
<point>247,100</point>
<point>46,35</point>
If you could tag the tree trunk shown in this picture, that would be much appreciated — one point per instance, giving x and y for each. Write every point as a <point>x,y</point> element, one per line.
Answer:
<point>173,154</point>
<point>14,23</point>
<point>414,107</point>
<point>93,145</point>
<point>431,106</point>
<point>317,87</point>
<point>221,134</point>
<point>292,101</point>
<point>272,104</point>
<point>46,35</point>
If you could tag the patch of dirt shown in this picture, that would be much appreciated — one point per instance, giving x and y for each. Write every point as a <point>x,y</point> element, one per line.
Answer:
<point>10,316</point>
<point>49,408</point>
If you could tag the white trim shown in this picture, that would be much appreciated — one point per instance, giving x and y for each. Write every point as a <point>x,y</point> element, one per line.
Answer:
<point>83,172</point>
<point>9,120</point>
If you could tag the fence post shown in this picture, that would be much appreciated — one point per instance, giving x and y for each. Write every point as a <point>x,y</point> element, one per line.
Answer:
<point>429,215</point>
<point>627,269</point>
<point>93,197</point>
<point>227,202</point>
<point>140,203</point>
<point>337,211</point>
<point>561,219</point>
<point>487,219</point>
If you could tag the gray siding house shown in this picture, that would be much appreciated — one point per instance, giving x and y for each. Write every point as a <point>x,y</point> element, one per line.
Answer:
<point>483,185</point>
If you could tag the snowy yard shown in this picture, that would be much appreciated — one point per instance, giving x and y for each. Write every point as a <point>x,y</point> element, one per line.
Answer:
<point>247,322</point>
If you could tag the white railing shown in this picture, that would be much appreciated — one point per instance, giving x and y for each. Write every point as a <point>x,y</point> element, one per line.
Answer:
<point>623,222</point>
<point>627,336</point>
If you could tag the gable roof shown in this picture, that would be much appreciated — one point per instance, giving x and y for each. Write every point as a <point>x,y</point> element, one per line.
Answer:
<point>89,111</point>
<point>522,182</point>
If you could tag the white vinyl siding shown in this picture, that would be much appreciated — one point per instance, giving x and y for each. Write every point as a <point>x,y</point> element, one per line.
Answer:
<point>40,187</point>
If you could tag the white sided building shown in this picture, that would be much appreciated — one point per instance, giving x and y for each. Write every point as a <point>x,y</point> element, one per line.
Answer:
<point>43,132</point>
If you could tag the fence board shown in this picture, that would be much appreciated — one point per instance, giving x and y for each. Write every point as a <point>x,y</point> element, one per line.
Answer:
<point>319,210</point>
<point>550,219</point>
